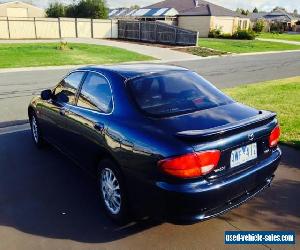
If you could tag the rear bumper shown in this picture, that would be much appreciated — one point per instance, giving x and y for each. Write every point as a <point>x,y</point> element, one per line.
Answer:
<point>197,201</point>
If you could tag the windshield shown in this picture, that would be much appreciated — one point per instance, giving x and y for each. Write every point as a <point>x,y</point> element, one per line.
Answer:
<point>176,92</point>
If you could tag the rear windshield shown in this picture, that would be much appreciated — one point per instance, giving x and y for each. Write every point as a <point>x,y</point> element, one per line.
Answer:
<point>177,92</point>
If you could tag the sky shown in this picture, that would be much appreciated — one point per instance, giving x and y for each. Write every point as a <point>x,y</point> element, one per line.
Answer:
<point>262,5</point>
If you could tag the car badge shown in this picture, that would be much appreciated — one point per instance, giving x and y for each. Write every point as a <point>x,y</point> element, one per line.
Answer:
<point>251,137</point>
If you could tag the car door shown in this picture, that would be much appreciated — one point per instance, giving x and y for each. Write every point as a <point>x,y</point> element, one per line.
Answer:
<point>88,120</point>
<point>53,111</point>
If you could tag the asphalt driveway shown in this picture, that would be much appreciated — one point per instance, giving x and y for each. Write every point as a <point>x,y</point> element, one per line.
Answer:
<point>46,202</point>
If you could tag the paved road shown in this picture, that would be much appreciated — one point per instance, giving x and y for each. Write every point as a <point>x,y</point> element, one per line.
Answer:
<point>17,88</point>
<point>48,203</point>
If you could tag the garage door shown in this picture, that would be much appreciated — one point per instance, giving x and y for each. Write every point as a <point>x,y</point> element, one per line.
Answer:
<point>17,12</point>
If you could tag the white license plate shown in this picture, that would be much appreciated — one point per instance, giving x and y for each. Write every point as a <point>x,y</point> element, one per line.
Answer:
<point>243,155</point>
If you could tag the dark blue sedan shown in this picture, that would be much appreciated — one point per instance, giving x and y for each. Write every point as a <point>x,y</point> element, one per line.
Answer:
<point>161,140</point>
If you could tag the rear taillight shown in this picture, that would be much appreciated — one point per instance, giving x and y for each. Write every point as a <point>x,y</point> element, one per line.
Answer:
<point>274,137</point>
<point>191,165</point>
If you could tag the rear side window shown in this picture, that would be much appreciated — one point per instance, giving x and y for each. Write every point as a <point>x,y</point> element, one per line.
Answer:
<point>176,92</point>
<point>96,93</point>
<point>69,86</point>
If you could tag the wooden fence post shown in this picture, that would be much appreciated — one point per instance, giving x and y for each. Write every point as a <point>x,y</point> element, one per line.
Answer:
<point>34,22</point>
<point>59,28</point>
<point>155,32</point>
<point>8,28</point>
<point>111,27</point>
<point>76,28</point>
<point>140,31</point>
<point>92,27</point>
<point>175,37</point>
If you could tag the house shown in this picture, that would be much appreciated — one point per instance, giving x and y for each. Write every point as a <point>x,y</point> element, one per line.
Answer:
<point>20,9</point>
<point>278,15</point>
<point>203,16</point>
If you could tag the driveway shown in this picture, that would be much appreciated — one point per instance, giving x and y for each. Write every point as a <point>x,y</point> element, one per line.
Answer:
<point>46,202</point>
<point>18,87</point>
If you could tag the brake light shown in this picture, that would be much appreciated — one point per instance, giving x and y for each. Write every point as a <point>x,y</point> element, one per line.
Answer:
<point>274,137</point>
<point>191,165</point>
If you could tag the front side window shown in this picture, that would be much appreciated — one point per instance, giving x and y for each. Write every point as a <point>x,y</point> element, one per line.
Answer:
<point>96,93</point>
<point>176,92</point>
<point>69,87</point>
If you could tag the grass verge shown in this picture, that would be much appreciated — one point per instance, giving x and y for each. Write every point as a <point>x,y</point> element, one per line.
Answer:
<point>245,46</point>
<point>49,54</point>
<point>281,96</point>
<point>284,36</point>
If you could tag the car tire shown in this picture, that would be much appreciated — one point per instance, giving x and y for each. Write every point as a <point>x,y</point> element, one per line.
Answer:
<point>35,130</point>
<point>112,191</point>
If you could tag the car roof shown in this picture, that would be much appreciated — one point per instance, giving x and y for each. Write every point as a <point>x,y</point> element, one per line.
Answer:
<point>134,70</point>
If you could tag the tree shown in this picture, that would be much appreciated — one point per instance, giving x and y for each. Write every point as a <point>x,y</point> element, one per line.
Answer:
<point>255,10</point>
<point>71,10</point>
<point>245,12</point>
<point>259,26</point>
<point>55,10</point>
<point>135,7</point>
<point>91,9</point>
<point>278,8</point>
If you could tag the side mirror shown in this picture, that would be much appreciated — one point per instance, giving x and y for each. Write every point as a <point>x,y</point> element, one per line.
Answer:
<point>46,94</point>
<point>62,97</point>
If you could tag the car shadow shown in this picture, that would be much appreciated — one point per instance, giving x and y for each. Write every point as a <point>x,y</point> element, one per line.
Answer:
<point>44,193</point>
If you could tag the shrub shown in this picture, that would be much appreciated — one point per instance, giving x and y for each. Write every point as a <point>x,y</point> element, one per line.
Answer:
<point>63,46</point>
<point>259,26</point>
<point>244,34</point>
<point>239,34</point>
<point>215,33</point>
<point>226,36</point>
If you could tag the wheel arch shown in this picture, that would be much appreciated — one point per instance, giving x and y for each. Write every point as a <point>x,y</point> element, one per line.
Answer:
<point>30,111</point>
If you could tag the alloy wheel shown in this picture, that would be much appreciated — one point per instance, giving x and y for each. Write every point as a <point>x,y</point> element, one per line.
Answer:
<point>111,191</point>
<point>34,129</point>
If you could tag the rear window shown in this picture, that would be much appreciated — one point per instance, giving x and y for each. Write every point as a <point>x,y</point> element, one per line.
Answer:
<point>177,92</point>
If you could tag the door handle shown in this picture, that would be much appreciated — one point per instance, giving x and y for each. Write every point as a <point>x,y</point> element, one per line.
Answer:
<point>63,111</point>
<point>99,126</point>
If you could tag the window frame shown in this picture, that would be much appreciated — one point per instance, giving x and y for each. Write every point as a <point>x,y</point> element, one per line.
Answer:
<point>77,89</point>
<point>80,87</point>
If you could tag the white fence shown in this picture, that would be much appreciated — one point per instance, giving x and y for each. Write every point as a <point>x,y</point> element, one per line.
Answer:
<point>55,28</point>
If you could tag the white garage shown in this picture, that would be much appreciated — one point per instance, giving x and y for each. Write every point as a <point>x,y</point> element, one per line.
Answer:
<point>20,9</point>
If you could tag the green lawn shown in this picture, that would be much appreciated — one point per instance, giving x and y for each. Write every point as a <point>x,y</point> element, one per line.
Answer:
<point>289,37</point>
<point>47,54</point>
<point>245,46</point>
<point>281,96</point>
